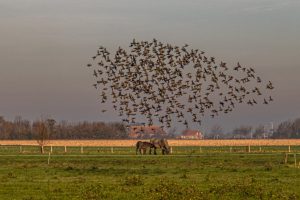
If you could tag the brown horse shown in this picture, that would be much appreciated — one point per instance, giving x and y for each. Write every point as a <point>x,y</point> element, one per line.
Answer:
<point>142,147</point>
<point>162,144</point>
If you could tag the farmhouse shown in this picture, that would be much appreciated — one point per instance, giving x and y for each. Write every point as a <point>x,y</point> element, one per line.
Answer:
<point>142,131</point>
<point>191,135</point>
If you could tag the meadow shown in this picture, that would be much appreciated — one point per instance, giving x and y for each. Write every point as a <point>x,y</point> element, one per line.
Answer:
<point>191,172</point>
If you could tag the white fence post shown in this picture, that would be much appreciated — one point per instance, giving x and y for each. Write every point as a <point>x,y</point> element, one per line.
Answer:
<point>65,149</point>
<point>49,158</point>
<point>81,149</point>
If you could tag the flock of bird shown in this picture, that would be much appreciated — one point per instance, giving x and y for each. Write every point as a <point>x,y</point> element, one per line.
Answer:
<point>165,82</point>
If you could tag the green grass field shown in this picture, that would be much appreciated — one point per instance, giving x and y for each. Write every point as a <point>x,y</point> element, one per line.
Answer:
<point>176,150</point>
<point>190,173</point>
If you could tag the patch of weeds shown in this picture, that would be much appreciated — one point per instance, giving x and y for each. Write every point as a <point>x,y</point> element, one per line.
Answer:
<point>192,152</point>
<point>11,175</point>
<point>253,180</point>
<point>57,190</point>
<point>134,180</point>
<point>234,170</point>
<point>248,189</point>
<point>93,168</point>
<point>158,171</point>
<point>207,178</point>
<point>184,176</point>
<point>28,198</point>
<point>275,180</point>
<point>25,166</point>
<point>268,167</point>
<point>167,189</point>
<point>69,168</point>
<point>29,178</point>
<point>94,192</point>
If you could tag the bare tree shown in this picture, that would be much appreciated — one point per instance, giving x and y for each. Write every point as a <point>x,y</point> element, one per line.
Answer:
<point>42,133</point>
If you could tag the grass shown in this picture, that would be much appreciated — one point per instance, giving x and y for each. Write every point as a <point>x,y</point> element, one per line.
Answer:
<point>177,150</point>
<point>206,175</point>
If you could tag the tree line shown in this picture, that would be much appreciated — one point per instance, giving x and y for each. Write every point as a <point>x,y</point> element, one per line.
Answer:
<point>22,129</point>
<point>285,130</point>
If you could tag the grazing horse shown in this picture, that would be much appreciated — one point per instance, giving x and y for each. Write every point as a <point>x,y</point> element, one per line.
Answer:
<point>142,147</point>
<point>162,144</point>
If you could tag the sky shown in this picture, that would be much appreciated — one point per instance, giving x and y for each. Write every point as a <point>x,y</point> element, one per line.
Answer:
<point>44,46</point>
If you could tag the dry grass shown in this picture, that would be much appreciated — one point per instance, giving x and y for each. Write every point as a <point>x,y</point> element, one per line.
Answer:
<point>126,143</point>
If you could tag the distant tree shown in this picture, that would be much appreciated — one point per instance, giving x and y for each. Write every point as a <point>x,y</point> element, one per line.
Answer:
<point>18,128</point>
<point>296,129</point>
<point>259,132</point>
<point>118,130</point>
<point>242,132</point>
<point>50,124</point>
<point>172,132</point>
<point>6,129</point>
<point>2,124</point>
<point>216,132</point>
<point>284,130</point>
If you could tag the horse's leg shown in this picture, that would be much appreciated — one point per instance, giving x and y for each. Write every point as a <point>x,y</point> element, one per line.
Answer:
<point>155,151</point>
<point>150,151</point>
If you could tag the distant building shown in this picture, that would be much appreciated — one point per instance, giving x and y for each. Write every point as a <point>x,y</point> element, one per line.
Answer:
<point>137,131</point>
<point>191,135</point>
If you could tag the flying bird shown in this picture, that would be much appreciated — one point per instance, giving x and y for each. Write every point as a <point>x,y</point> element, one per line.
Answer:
<point>166,83</point>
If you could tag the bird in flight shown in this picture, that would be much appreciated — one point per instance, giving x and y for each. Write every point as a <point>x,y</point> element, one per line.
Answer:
<point>164,83</point>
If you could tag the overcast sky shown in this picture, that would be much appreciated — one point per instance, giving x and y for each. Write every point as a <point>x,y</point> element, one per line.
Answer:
<point>44,46</point>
